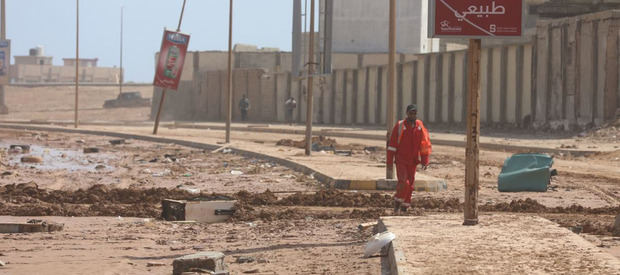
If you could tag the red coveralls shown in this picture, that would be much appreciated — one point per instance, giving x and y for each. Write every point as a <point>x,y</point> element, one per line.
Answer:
<point>411,146</point>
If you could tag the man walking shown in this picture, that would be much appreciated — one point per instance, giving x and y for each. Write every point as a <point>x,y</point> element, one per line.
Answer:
<point>410,145</point>
<point>290,106</point>
<point>244,106</point>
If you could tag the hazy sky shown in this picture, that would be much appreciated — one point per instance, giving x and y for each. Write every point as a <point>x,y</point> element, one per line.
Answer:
<point>51,23</point>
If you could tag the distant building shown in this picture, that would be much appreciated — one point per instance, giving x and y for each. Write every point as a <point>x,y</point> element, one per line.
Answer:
<point>38,68</point>
<point>84,62</point>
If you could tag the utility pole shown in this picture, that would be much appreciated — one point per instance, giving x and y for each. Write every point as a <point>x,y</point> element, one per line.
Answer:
<point>230,88</point>
<point>296,43</point>
<point>309,102</point>
<point>472,152</point>
<point>391,114</point>
<point>77,58</point>
<point>121,78</point>
<point>3,108</point>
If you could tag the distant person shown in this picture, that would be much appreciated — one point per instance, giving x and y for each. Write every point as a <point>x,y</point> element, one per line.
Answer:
<point>410,145</point>
<point>290,106</point>
<point>244,106</point>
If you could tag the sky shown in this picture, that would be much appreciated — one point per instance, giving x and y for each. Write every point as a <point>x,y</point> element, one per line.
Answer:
<point>51,24</point>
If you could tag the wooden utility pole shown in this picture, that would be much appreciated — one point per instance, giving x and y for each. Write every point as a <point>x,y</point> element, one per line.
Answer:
<point>472,154</point>
<point>77,59</point>
<point>230,88</point>
<point>310,79</point>
<point>3,108</point>
<point>163,92</point>
<point>391,114</point>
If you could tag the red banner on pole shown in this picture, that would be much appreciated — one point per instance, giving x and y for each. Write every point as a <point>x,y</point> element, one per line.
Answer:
<point>476,18</point>
<point>171,60</point>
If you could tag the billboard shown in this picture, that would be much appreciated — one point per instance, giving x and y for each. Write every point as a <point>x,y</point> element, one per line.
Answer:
<point>5,61</point>
<point>476,18</point>
<point>171,60</point>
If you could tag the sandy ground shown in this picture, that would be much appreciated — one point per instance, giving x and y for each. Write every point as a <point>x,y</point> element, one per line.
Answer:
<point>57,103</point>
<point>108,245</point>
<point>293,235</point>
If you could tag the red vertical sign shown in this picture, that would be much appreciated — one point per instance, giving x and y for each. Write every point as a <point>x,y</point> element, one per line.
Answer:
<point>476,18</point>
<point>171,60</point>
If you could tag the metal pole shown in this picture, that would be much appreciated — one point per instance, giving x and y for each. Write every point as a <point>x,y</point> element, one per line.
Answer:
<point>473,134</point>
<point>391,114</point>
<point>229,75</point>
<point>310,72</point>
<point>163,92</point>
<point>296,44</point>
<point>121,78</point>
<point>77,59</point>
<point>3,108</point>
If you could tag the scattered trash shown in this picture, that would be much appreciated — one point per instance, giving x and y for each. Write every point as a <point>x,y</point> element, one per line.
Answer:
<point>576,229</point>
<point>251,271</point>
<point>187,175</point>
<point>245,259</point>
<point>31,159</point>
<point>346,153</point>
<point>89,150</point>
<point>366,225</point>
<point>100,167</point>
<point>236,172</point>
<point>117,141</point>
<point>171,157</point>
<point>80,141</point>
<point>153,160</point>
<point>2,263</point>
<point>7,173</point>
<point>146,171</point>
<point>377,242</point>
<point>227,151</point>
<point>166,172</point>
<point>19,149</point>
<point>150,264</point>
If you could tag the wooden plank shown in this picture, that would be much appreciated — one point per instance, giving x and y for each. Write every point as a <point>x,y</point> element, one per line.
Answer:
<point>472,164</point>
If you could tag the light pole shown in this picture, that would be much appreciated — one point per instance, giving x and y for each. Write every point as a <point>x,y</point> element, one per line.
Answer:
<point>230,88</point>
<point>310,79</point>
<point>3,108</point>
<point>77,58</point>
<point>391,114</point>
<point>120,77</point>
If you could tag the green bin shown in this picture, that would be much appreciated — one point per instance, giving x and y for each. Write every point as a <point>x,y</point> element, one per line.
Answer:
<point>525,173</point>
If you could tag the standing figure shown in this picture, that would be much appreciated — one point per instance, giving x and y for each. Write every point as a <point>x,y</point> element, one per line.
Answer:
<point>290,106</point>
<point>244,106</point>
<point>410,144</point>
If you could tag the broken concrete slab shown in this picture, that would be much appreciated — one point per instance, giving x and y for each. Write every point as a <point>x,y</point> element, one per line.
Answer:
<point>22,149</point>
<point>211,261</point>
<point>440,244</point>
<point>199,211</point>
<point>90,150</point>
<point>31,159</point>
<point>38,226</point>
<point>616,228</point>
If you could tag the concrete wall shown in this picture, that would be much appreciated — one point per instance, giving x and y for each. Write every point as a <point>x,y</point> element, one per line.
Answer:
<point>577,70</point>
<point>568,77</point>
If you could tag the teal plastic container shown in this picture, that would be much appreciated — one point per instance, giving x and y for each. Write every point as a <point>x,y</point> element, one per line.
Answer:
<point>525,173</point>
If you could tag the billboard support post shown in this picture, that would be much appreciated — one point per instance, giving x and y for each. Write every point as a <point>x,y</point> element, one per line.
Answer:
<point>179,59</point>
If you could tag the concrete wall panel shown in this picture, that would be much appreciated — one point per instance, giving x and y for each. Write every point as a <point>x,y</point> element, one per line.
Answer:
<point>459,91</point>
<point>586,76</point>
<point>484,87</point>
<point>511,86</point>
<point>497,90</point>
<point>432,92</point>
<point>445,89</point>
<point>372,95</point>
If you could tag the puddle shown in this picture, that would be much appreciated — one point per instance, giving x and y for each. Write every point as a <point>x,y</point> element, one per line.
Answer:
<point>61,159</point>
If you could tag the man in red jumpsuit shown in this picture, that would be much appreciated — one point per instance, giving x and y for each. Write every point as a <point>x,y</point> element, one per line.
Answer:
<point>410,145</point>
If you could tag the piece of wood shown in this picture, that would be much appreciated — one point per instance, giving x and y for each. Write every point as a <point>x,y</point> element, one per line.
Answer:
<point>473,134</point>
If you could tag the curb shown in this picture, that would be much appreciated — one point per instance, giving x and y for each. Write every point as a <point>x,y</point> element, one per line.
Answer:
<point>394,254</point>
<point>336,183</point>
<point>328,132</point>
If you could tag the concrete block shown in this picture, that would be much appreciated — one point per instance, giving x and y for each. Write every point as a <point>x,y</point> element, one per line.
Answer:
<point>38,226</point>
<point>211,261</point>
<point>385,184</point>
<point>363,185</point>
<point>616,228</point>
<point>199,211</point>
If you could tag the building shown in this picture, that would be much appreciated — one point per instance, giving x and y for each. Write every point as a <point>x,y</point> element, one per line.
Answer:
<point>38,68</point>
<point>84,62</point>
